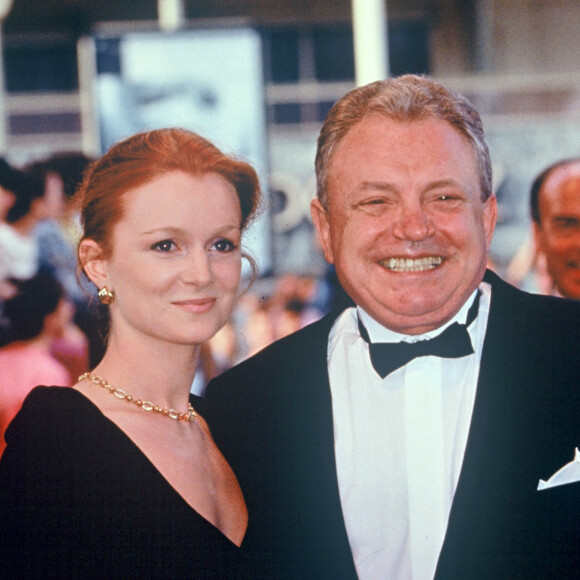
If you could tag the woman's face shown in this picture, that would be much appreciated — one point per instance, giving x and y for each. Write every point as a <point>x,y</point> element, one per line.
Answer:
<point>176,259</point>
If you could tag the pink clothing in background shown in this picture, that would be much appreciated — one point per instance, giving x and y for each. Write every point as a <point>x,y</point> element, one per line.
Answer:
<point>23,367</point>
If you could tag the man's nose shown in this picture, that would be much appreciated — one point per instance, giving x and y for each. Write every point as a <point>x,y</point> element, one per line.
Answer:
<point>413,223</point>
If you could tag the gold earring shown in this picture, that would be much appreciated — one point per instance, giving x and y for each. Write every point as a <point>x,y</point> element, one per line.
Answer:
<point>106,296</point>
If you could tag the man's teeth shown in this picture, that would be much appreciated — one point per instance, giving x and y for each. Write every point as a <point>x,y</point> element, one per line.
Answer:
<point>410,265</point>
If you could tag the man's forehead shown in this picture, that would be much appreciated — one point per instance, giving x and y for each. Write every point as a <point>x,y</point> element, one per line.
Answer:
<point>568,173</point>
<point>369,131</point>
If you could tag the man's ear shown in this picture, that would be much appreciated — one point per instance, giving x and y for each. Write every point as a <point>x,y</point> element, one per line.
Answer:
<point>489,218</point>
<point>320,219</point>
<point>93,263</point>
<point>538,236</point>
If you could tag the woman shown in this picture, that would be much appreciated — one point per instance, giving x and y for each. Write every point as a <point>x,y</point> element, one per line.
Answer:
<point>119,477</point>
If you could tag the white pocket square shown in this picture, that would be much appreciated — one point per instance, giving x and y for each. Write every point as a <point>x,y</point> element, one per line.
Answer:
<point>570,473</point>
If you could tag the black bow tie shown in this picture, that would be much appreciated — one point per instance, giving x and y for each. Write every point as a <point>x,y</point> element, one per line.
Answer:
<point>453,342</point>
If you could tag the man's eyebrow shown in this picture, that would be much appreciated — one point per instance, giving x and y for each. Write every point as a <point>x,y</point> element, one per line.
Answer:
<point>445,183</point>
<point>388,186</point>
<point>377,185</point>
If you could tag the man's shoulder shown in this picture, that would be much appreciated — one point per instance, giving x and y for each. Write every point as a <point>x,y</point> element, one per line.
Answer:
<point>532,307</point>
<point>543,330</point>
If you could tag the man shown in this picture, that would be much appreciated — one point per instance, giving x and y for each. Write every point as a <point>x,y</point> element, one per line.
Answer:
<point>555,204</point>
<point>429,469</point>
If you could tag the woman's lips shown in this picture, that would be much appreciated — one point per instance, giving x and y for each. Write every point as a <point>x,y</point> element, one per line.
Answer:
<point>196,306</point>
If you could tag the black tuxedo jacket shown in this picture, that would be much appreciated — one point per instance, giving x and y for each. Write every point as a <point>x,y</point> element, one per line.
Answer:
<point>271,416</point>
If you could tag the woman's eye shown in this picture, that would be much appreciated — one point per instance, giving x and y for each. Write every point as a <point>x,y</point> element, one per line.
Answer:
<point>224,246</point>
<point>164,246</point>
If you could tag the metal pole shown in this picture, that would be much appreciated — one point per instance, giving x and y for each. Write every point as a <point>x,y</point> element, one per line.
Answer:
<point>484,36</point>
<point>371,53</point>
<point>171,14</point>
<point>3,108</point>
<point>5,7</point>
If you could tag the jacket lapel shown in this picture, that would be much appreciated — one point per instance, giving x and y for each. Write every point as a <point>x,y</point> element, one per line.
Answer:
<point>488,474</point>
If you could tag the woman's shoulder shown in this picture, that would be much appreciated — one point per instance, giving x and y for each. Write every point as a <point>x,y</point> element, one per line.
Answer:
<point>48,398</point>
<point>50,416</point>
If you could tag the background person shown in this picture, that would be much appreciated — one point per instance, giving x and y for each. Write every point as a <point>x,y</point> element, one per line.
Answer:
<point>357,467</point>
<point>59,236</point>
<point>119,477</point>
<point>38,314</point>
<point>555,209</point>
<point>57,256</point>
<point>9,178</point>
<point>20,211</point>
<point>19,247</point>
<point>8,183</point>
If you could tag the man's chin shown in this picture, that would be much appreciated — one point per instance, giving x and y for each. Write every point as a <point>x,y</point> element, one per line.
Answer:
<point>418,320</point>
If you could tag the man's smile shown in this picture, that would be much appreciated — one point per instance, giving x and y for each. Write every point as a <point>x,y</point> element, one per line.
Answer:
<point>412,264</point>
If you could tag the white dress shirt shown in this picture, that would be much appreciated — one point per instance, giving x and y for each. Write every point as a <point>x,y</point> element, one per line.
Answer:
<point>18,254</point>
<point>399,443</point>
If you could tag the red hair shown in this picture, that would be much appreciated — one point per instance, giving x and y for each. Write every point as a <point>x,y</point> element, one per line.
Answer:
<point>145,156</point>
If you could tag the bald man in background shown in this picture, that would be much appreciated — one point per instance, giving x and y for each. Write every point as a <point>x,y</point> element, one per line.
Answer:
<point>555,206</point>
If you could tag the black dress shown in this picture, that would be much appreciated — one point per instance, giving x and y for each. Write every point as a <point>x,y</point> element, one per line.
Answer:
<point>78,499</point>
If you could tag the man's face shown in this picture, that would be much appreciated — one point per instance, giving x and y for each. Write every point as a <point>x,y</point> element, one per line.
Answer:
<point>558,233</point>
<point>406,227</point>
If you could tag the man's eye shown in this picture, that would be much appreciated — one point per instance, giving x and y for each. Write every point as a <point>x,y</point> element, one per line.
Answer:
<point>448,199</point>
<point>567,223</point>
<point>375,206</point>
<point>164,246</point>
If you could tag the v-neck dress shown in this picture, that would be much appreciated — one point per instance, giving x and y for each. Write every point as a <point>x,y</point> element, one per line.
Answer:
<point>78,499</point>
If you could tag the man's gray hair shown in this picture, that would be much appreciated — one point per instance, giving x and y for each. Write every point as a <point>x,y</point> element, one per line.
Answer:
<point>404,98</point>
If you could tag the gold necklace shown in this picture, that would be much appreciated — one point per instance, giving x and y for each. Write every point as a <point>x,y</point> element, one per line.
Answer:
<point>190,416</point>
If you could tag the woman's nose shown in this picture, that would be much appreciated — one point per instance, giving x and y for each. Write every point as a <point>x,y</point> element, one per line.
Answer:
<point>198,269</point>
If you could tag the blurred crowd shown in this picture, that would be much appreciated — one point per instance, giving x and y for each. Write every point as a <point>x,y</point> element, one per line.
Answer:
<point>46,319</point>
<point>270,310</point>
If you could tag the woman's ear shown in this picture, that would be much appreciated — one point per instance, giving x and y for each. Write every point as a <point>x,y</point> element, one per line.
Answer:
<point>93,262</point>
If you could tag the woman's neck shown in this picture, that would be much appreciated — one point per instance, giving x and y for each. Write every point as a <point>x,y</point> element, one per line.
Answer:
<point>162,375</point>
